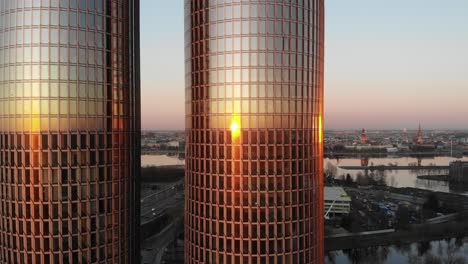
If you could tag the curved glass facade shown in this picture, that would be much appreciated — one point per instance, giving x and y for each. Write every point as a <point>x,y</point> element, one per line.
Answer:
<point>254,109</point>
<point>69,124</point>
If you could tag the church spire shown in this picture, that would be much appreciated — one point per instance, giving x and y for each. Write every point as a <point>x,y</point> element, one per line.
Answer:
<point>364,139</point>
<point>419,138</point>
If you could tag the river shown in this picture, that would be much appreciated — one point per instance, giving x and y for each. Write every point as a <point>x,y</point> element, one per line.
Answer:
<point>446,251</point>
<point>160,160</point>
<point>453,251</point>
<point>400,178</point>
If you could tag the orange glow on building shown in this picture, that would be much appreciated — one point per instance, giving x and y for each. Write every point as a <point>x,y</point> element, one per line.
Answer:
<point>254,126</point>
<point>69,179</point>
<point>235,127</point>
<point>320,129</point>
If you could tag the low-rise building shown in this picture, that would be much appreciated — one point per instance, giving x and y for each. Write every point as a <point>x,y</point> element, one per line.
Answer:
<point>337,202</point>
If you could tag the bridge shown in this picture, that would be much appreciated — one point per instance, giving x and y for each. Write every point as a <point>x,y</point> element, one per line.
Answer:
<point>387,167</point>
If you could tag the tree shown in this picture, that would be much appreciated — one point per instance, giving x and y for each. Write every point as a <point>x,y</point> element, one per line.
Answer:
<point>402,218</point>
<point>452,256</point>
<point>346,222</point>
<point>392,181</point>
<point>380,178</point>
<point>431,259</point>
<point>423,248</point>
<point>431,203</point>
<point>349,180</point>
<point>361,179</point>
<point>331,170</point>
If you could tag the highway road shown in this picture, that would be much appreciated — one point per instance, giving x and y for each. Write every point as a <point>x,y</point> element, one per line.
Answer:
<point>153,247</point>
<point>153,205</point>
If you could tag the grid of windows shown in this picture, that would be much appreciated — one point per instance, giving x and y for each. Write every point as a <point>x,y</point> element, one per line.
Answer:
<point>254,107</point>
<point>67,131</point>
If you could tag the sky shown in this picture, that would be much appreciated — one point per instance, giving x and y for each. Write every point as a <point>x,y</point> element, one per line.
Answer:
<point>389,64</point>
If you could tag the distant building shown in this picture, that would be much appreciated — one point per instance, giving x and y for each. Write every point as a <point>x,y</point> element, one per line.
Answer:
<point>423,148</point>
<point>419,138</point>
<point>419,145</point>
<point>173,144</point>
<point>364,139</point>
<point>338,200</point>
<point>393,150</point>
<point>367,148</point>
<point>459,172</point>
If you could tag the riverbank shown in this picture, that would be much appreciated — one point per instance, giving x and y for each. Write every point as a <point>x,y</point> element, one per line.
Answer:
<point>334,155</point>
<point>442,178</point>
<point>415,233</point>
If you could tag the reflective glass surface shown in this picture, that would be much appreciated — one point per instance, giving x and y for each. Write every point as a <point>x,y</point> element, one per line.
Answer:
<point>67,131</point>
<point>254,109</point>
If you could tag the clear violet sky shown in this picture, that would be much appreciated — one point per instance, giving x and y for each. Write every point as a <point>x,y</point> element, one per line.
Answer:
<point>389,64</point>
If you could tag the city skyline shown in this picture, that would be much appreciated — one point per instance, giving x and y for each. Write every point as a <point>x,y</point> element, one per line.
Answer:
<point>426,88</point>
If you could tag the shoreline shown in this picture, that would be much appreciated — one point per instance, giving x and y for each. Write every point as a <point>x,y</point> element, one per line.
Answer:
<point>416,233</point>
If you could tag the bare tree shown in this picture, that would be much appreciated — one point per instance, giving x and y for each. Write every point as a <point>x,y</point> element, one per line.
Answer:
<point>331,170</point>
<point>361,179</point>
<point>452,254</point>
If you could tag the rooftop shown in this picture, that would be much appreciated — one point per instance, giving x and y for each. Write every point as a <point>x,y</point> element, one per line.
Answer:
<point>336,193</point>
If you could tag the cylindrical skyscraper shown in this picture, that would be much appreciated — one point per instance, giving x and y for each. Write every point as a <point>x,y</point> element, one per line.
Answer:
<point>69,131</point>
<point>254,111</point>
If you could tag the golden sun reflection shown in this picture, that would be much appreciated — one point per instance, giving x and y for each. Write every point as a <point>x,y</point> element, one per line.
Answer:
<point>320,129</point>
<point>235,127</point>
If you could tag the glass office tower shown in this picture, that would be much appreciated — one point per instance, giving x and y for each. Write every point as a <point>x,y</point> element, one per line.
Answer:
<point>69,131</point>
<point>254,111</point>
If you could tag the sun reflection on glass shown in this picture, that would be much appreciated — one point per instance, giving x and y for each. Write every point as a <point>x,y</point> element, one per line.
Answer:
<point>235,127</point>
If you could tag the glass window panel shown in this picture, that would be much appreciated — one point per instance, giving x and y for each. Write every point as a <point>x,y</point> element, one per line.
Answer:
<point>64,107</point>
<point>63,90</point>
<point>45,71</point>
<point>44,35</point>
<point>36,17</point>
<point>99,22</point>
<point>82,38</point>
<point>73,4</point>
<point>36,35</point>
<point>91,22</point>
<point>63,36</point>
<point>54,107</point>
<point>73,56</point>
<point>72,73</point>
<point>54,18</point>
<point>54,90</point>
<point>65,3</point>
<point>63,73</point>
<point>27,36</point>
<point>44,107</point>
<point>82,4</point>
<point>44,54</point>
<point>82,56</point>
<point>73,19</point>
<point>44,89</point>
<point>27,18</point>
<point>82,20</point>
<point>54,36</point>
<point>64,18</point>
<point>54,3</point>
<point>35,89</point>
<point>54,56</point>
<point>72,36</point>
<point>63,55</point>
<point>54,74</point>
